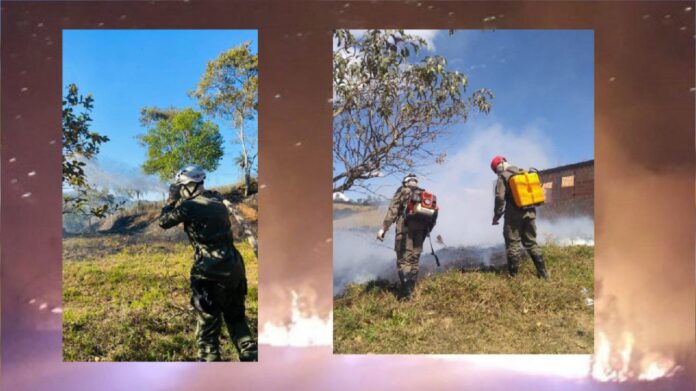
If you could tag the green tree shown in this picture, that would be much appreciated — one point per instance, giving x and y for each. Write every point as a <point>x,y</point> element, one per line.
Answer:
<point>229,89</point>
<point>80,145</point>
<point>390,105</point>
<point>176,138</point>
<point>98,202</point>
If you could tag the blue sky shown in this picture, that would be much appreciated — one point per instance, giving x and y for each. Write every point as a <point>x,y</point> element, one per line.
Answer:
<point>126,70</point>
<point>543,82</point>
<point>540,78</point>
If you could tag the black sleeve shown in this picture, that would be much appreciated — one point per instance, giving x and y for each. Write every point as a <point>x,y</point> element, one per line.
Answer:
<point>172,215</point>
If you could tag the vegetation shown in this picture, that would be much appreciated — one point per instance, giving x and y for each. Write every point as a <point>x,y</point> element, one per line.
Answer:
<point>125,299</point>
<point>390,105</point>
<point>81,144</point>
<point>350,216</point>
<point>126,287</point>
<point>178,137</point>
<point>229,89</point>
<point>475,312</point>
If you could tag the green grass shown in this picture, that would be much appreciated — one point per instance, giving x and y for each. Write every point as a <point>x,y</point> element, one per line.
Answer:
<point>475,312</point>
<point>124,300</point>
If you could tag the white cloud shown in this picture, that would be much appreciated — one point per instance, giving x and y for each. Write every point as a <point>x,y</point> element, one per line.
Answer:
<point>428,35</point>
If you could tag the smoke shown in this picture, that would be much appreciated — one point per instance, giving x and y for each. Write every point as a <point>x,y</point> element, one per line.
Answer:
<point>645,262</point>
<point>566,231</point>
<point>464,185</point>
<point>119,177</point>
<point>359,257</point>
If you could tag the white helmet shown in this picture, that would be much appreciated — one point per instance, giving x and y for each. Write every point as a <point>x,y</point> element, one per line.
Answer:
<point>409,177</point>
<point>189,174</point>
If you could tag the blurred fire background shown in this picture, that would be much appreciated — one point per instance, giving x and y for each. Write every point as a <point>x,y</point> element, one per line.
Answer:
<point>644,197</point>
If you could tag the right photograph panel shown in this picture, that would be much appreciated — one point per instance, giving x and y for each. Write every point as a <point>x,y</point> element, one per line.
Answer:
<point>463,182</point>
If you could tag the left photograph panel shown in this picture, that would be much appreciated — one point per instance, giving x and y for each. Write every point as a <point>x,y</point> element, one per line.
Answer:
<point>159,195</point>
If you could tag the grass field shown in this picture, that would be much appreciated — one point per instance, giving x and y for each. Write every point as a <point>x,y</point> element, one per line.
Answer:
<point>128,300</point>
<point>350,216</point>
<point>475,312</point>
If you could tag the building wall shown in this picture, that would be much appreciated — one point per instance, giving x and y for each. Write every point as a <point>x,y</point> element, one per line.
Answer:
<point>569,191</point>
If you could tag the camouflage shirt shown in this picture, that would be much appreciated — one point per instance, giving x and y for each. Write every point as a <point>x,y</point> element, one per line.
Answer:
<point>207,224</point>
<point>504,201</point>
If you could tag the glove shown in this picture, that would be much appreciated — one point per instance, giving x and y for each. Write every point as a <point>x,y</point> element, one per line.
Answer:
<point>174,193</point>
<point>380,235</point>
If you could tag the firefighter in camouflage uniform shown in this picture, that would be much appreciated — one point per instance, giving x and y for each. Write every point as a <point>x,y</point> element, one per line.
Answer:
<point>519,229</point>
<point>218,278</point>
<point>410,234</point>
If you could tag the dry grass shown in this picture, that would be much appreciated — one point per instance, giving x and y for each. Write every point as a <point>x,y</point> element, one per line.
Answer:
<point>250,214</point>
<point>477,312</point>
<point>127,300</point>
<point>349,216</point>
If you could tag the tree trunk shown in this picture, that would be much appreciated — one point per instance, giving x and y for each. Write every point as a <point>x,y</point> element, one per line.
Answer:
<point>247,180</point>
<point>245,156</point>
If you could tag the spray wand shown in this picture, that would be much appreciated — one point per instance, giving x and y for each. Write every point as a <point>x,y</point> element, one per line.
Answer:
<point>432,251</point>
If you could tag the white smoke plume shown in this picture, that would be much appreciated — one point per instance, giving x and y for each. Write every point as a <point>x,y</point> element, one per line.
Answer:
<point>464,186</point>
<point>119,177</point>
<point>566,231</point>
<point>359,257</point>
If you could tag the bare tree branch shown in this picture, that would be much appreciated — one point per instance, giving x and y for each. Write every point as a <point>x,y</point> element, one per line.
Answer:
<point>389,108</point>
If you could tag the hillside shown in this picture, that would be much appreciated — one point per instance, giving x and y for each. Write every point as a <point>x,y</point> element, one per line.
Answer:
<point>141,218</point>
<point>475,311</point>
<point>349,216</point>
<point>126,288</point>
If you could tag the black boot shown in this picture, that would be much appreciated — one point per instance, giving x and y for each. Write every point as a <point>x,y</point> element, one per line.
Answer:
<point>208,353</point>
<point>247,349</point>
<point>411,283</point>
<point>512,267</point>
<point>403,288</point>
<point>540,267</point>
<point>243,341</point>
<point>408,291</point>
<point>406,286</point>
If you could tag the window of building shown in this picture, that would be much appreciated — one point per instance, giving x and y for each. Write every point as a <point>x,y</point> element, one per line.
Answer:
<point>547,187</point>
<point>568,181</point>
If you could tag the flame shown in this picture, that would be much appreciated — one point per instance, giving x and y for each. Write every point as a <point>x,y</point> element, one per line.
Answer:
<point>615,360</point>
<point>301,331</point>
<point>618,363</point>
<point>656,366</point>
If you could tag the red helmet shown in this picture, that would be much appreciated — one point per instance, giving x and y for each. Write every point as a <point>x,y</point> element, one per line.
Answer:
<point>497,160</point>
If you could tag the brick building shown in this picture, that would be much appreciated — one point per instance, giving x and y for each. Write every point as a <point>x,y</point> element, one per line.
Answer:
<point>569,191</point>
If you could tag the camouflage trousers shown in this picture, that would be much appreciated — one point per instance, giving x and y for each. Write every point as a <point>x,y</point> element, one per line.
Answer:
<point>214,301</point>
<point>520,235</point>
<point>409,246</point>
